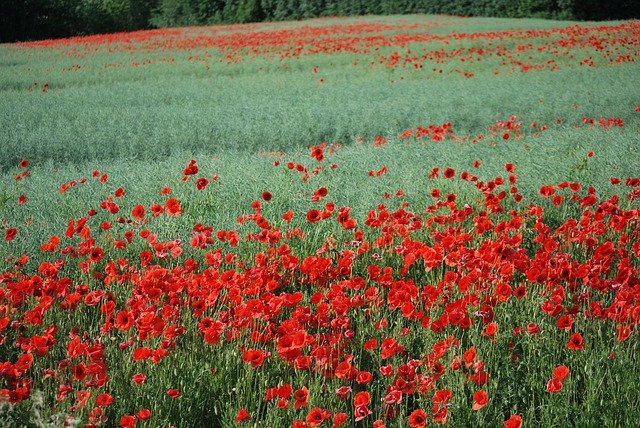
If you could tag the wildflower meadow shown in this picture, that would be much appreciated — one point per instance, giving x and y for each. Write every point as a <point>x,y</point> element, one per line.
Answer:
<point>400,221</point>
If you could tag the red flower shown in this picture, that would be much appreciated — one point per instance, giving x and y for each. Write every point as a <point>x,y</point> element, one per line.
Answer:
<point>564,322</point>
<point>138,212</point>
<point>201,183</point>
<point>547,191</point>
<point>24,163</point>
<point>10,234</point>
<point>480,400</point>
<point>554,385</point>
<point>144,414</point>
<point>313,216</point>
<point>127,421</point>
<point>173,207</point>
<point>316,416</point>
<point>173,393</point>
<point>242,415</point>
<point>418,419</point>
<point>138,378</point>
<point>361,412</point>
<point>339,420</point>
<point>514,421</point>
<point>449,173</point>
<point>301,398</point>
<point>266,196</point>
<point>362,398</point>
<point>576,342</point>
<point>255,357</point>
<point>191,169</point>
<point>364,377</point>
<point>561,372</point>
<point>104,400</point>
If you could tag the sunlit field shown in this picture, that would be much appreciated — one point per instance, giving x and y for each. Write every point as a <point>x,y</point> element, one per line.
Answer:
<point>378,222</point>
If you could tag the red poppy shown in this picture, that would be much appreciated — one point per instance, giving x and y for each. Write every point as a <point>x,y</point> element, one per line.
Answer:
<point>255,357</point>
<point>561,372</point>
<point>242,415</point>
<point>201,183</point>
<point>24,163</point>
<point>10,234</point>
<point>564,322</point>
<point>449,173</point>
<point>173,207</point>
<point>361,412</point>
<point>313,216</point>
<point>191,169</point>
<point>301,397</point>
<point>144,414</point>
<point>547,191</point>
<point>124,320</point>
<point>173,393</point>
<point>480,400</point>
<point>138,378</point>
<point>362,398</point>
<point>339,419</point>
<point>138,212</point>
<point>127,421</point>
<point>364,377</point>
<point>316,416</point>
<point>104,400</point>
<point>266,196</point>
<point>554,385</point>
<point>576,342</point>
<point>515,421</point>
<point>417,419</point>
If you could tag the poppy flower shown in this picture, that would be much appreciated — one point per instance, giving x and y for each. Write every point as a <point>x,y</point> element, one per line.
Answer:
<point>554,385</point>
<point>201,183</point>
<point>561,372</point>
<point>138,212</point>
<point>313,216</point>
<point>449,173</point>
<point>242,415</point>
<point>339,419</point>
<point>127,421</point>
<point>361,412</point>
<point>10,234</point>
<point>515,421</point>
<point>417,419</point>
<point>576,342</point>
<point>144,414</point>
<point>547,191</point>
<point>104,400</point>
<point>266,196</point>
<point>138,378</point>
<point>173,393</point>
<point>301,397</point>
<point>480,400</point>
<point>255,357</point>
<point>316,416</point>
<point>362,398</point>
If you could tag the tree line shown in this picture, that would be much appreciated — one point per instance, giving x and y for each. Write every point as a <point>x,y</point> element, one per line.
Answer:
<point>42,19</point>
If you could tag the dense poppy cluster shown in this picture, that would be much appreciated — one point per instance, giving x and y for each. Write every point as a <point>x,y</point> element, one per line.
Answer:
<point>391,45</point>
<point>381,306</point>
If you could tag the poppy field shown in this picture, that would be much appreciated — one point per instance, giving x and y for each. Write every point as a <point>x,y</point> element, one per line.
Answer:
<point>377,221</point>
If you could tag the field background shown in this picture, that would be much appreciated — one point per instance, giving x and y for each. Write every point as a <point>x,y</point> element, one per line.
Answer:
<point>245,100</point>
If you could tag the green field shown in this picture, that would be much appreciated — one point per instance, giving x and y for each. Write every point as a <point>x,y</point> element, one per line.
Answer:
<point>560,101</point>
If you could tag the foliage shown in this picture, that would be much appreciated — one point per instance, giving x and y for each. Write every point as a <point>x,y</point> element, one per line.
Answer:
<point>41,19</point>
